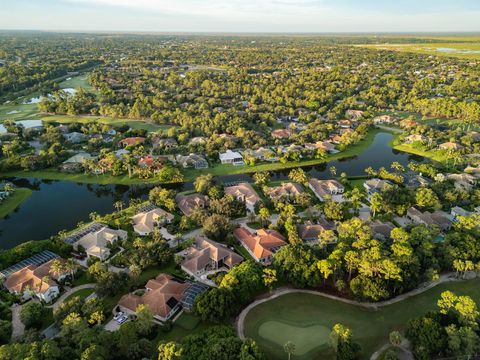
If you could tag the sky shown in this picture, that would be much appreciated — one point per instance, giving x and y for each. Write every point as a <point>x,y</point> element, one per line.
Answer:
<point>283,16</point>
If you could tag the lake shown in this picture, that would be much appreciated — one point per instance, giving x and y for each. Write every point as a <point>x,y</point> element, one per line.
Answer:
<point>61,205</point>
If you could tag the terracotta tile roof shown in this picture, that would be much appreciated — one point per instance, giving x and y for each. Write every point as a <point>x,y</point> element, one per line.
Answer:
<point>157,296</point>
<point>281,133</point>
<point>188,203</point>
<point>243,192</point>
<point>285,189</point>
<point>262,244</point>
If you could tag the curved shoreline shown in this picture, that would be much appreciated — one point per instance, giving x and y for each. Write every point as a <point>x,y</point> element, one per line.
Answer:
<point>240,320</point>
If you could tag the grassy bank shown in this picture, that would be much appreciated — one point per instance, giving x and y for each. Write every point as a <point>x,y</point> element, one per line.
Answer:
<point>313,316</point>
<point>192,174</point>
<point>13,201</point>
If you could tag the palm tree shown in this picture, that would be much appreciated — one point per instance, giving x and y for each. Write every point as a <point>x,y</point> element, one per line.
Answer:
<point>70,266</point>
<point>57,267</point>
<point>333,171</point>
<point>135,270</point>
<point>118,205</point>
<point>289,348</point>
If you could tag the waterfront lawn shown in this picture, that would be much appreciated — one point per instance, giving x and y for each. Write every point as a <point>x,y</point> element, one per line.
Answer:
<point>13,201</point>
<point>309,313</point>
<point>436,155</point>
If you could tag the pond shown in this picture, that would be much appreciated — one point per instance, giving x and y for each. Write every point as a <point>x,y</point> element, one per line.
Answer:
<point>61,205</point>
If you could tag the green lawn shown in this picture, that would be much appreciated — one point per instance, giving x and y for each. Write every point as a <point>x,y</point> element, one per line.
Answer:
<point>47,318</point>
<point>242,251</point>
<point>273,323</point>
<point>435,155</point>
<point>75,82</point>
<point>13,201</point>
<point>18,112</point>
<point>83,293</point>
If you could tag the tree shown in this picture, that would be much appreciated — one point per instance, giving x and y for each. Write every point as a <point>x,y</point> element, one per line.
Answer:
<point>203,183</point>
<point>333,170</point>
<point>269,278</point>
<point>261,179</point>
<point>426,198</point>
<point>163,197</point>
<point>289,348</point>
<point>395,338</point>
<point>216,227</point>
<point>32,315</point>
<point>144,322</point>
<point>264,215</point>
<point>298,175</point>
<point>376,203</point>
<point>169,351</point>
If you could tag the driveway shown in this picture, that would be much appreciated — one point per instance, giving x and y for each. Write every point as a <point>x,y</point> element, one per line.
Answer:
<point>112,325</point>
<point>17,326</point>
<point>69,292</point>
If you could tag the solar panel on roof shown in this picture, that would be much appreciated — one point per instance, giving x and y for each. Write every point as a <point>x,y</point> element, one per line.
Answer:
<point>37,259</point>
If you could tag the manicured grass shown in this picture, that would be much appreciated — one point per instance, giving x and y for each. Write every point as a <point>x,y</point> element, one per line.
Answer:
<point>308,313</point>
<point>77,82</point>
<point>82,293</point>
<point>47,318</point>
<point>242,251</point>
<point>439,156</point>
<point>81,278</point>
<point>83,119</point>
<point>20,112</point>
<point>13,201</point>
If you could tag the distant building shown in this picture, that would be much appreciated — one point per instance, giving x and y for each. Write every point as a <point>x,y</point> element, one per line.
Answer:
<point>310,233</point>
<point>437,218</point>
<point>192,160</point>
<point>287,190</point>
<point>325,188</point>
<point>231,157</point>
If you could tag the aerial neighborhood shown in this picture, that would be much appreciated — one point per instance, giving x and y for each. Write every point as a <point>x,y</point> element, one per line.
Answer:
<point>225,183</point>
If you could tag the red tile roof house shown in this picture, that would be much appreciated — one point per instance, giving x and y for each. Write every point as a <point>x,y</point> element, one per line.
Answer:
<point>245,193</point>
<point>132,141</point>
<point>281,133</point>
<point>287,190</point>
<point>30,281</point>
<point>325,188</point>
<point>163,295</point>
<point>261,245</point>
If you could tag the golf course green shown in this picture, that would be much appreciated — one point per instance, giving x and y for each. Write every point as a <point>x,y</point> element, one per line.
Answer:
<point>306,320</point>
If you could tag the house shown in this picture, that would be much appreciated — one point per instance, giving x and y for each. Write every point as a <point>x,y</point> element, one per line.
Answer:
<point>75,137</point>
<point>325,188</point>
<point>206,255</point>
<point>79,158</point>
<point>384,119</point>
<point>475,171</point>
<point>192,160</point>
<point>288,190</point>
<point>437,218</point>
<point>282,133</point>
<point>188,203</point>
<point>163,295</point>
<point>354,114</point>
<point>149,218</point>
<point>120,153</point>
<point>450,146</point>
<point>311,232</point>
<point>457,211</point>
<point>154,163</point>
<point>408,123</point>
<point>410,139</point>
<point>463,181</point>
<point>132,141</point>
<point>35,280</point>
<point>167,143</point>
<point>231,157</point>
<point>262,245</point>
<point>376,186</point>
<point>96,239</point>
<point>262,154</point>
<point>414,180</point>
<point>199,140</point>
<point>345,124</point>
<point>381,230</point>
<point>245,193</point>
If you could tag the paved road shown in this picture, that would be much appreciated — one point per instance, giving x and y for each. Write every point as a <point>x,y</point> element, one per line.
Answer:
<point>69,292</point>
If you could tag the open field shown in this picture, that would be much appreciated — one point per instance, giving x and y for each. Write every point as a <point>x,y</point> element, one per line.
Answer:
<point>464,50</point>
<point>310,314</point>
<point>12,202</point>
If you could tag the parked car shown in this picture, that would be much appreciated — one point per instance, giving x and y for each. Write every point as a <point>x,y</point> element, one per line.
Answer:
<point>118,315</point>
<point>122,319</point>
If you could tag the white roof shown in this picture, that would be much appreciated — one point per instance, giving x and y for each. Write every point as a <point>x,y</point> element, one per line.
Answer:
<point>78,158</point>
<point>230,155</point>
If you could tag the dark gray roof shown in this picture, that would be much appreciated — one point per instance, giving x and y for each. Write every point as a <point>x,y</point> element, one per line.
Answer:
<point>37,259</point>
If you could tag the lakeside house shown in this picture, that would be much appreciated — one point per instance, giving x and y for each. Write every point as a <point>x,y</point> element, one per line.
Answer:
<point>325,188</point>
<point>149,218</point>
<point>188,203</point>
<point>373,186</point>
<point>261,245</point>
<point>326,146</point>
<point>289,190</point>
<point>79,158</point>
<point>231,157</point>
<point>310,233</point>
<point>192,160</point>
<point>35,280</point>
<point>450,146</point>
<point>162,295</point>
<point>437,218</point>
<point>244,192</point>
<point>262,154</point>
<point>410,139</point>
<point>95,239</point>
<point>208,256</point>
